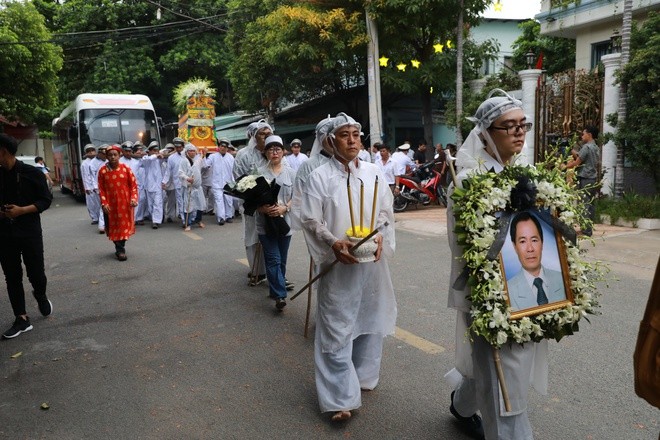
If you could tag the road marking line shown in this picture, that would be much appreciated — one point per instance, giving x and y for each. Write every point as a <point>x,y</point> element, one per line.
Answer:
<point>192,235</point>
<point>417,342</point>
<point>243,261</point>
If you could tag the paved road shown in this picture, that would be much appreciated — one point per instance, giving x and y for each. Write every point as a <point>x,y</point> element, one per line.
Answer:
<point>172,344</point>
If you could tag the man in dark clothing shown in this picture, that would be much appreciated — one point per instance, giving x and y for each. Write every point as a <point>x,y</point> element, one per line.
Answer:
<point>420,154</point>
<point>24,195</point>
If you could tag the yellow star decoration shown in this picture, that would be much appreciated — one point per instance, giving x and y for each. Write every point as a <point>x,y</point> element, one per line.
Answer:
<point>438,47</point>
<point>401,67</point>
<point>383,61</point>
<point>498,6</point>
<point>448,44</point>
<point>415,63</point>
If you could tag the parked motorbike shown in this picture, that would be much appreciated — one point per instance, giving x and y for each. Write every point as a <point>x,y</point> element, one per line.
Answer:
<point>421,186</point>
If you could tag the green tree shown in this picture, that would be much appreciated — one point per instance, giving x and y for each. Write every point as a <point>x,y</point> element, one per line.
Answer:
<point>410,30</point>
<point>296,52</point>
<point>29,63</point>
<point>641,76</point>
<point>558,53</point>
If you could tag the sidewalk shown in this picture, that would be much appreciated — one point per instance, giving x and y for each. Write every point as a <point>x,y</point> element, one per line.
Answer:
<point>432,220</point>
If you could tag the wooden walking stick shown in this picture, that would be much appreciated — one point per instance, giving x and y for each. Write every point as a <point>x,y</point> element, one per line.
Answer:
<point>309,295</point>
<point>496,351</point>
<point>256,261</point>
<point>329,268</point>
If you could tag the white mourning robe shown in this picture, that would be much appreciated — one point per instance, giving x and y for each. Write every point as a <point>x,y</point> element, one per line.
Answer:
<point>95,167</point>
<point>522,365</point>
<point>193,194</point>
<point>295,161</point>
<point>299,186</point>
<point>153,176</point>
<point>353,300</point>
<point>171,177</point>
<point>221,168</point>
<point>90,184</point>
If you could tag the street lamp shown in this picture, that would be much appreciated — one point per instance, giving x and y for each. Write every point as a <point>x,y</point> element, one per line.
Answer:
<point>529,57</point>
<point>615,42</point>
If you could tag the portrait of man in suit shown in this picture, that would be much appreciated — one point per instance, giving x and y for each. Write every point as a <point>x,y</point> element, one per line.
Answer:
<point>535,284</point>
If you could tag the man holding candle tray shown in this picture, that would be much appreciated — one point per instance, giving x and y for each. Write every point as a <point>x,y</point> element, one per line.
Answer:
<point>356,305</point>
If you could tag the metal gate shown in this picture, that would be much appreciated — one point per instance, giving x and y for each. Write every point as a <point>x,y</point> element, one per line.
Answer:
<point>565,103</point>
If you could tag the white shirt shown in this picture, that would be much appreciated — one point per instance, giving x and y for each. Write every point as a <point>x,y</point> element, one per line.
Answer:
<point>295,160</point>
<point>388,170</point>
<point>152,172</point>
<point>171,173</point>
<point>401,161</point>
<point>87,175</point>
<point>221,169</point>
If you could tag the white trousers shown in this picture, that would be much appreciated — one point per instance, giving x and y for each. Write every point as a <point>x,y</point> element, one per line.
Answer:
<point>93,202</point>
<point>169,202</point>
<point>483,391</point>
<point>224,205</point>
<point>155,206</point>
<point>340,376</point>
<point>141,209</point>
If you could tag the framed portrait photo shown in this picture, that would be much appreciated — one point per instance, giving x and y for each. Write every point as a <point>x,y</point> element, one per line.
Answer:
<point>534,265</point>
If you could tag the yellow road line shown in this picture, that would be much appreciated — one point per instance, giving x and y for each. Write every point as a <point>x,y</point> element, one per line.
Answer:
<point>243,261</point>
<point>417,342</point>
<point>193,235</point>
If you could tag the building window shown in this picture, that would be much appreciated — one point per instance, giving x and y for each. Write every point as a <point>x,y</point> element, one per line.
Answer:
<point>597,52</point>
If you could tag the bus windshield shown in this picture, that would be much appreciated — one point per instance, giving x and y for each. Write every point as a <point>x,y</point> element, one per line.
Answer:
<point>103,126</point>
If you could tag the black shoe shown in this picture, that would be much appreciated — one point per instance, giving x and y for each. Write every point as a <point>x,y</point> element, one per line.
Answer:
<point>229,220</point>
<point>169,220</point>
<point>95,222</point>
<point>280,303</point>
<point>154,226</point>
<point>20,326</point>
<point>221,222</point>
<point>469,425</point>
<point>259,280</point>
<point>45,306</point>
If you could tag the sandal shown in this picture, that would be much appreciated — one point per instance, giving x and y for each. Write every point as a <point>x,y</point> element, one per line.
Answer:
<point>341,416</point>
<point>202,225</point>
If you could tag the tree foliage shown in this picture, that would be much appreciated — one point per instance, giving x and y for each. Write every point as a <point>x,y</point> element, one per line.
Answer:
<point>296,52</point>
<point>558,53</point>
<point>410,30</point>
<point>638,133</point>
<point>29,63</point>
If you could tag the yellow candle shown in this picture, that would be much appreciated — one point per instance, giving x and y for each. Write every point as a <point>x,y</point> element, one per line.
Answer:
<point>373,206</point>
<point>350,203</point>
<point>361,206</point>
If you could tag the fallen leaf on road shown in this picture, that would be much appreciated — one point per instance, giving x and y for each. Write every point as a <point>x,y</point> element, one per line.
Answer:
<point>94,282</point>
<point>17,355</point>
<point>45,406</point>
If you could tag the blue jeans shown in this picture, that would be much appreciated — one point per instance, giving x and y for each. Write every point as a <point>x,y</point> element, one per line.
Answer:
<point>276,250</point>
<point>193,217</point>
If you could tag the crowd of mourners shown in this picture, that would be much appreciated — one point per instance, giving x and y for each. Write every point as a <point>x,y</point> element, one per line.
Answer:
<point>129,184</point>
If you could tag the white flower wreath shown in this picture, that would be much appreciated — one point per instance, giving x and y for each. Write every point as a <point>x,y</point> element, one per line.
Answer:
<point>476,204</point>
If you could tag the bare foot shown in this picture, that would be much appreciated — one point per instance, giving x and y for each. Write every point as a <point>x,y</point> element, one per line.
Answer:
<point>202,225</point>
<point>187,229</point>
<point>340,416</point>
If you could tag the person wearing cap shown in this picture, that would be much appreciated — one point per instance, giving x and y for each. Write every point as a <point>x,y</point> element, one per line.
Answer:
<point>172,184</point>
<point>296,158</point>
<point>88,177</point>
<point>99,162</point>
<point>24,195</point>
<point>190,175</point>
<point>402,164</point>
<point>135,163</point>
<point>496,141</point>
<point>356,307</point>
<point>127,153</point>
<point>276,246</point>
<point>119,197</point>
<point>153,176</point>
<point>221,165</point>
<point>248,161</point>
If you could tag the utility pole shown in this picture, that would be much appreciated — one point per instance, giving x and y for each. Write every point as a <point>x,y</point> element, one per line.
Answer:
<point>459,76</point>
<point>373,81</point>
<point>621,113</point>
